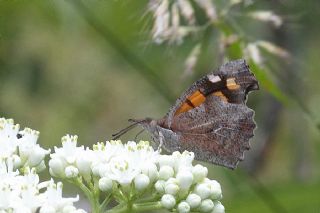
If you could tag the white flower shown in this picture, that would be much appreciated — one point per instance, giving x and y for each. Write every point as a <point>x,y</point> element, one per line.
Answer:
<point>84,161</point>
<point>54,199</point>
<point>71,172</point>
<point>218,207</point>
<point>105,184</point>
<point>65,156</point>
<point>185,179</point>
<point>206,205</point>
<point>8,137</point>
<point>193,200</point>
<point>56,167</point>
<point>166,172</point>
<point>215,189</point>
<point>199,173</point>
<point>183,161</point>
<point>141,182</point>
<point>160,186</point>
<point>168,201</point>
<point>69,150</point>
<point>183,207</point>
<point>122,169</point>
<point>166,160</point>
<point>171,186</point>
<point>151,170</point>
<point>203,190</point>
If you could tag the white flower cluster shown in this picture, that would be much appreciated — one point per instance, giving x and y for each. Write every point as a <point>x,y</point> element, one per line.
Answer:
<point>20,188</point>
<point>185,187</point>
<point>20,148</point>
<point>134,168</point>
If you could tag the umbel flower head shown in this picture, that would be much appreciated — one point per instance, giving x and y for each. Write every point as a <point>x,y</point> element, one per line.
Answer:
<point>137,177</point>
<point>20,187</point>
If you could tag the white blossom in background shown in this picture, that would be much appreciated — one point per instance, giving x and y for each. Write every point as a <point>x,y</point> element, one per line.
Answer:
<point>267,16</point>
<point>175,20</point>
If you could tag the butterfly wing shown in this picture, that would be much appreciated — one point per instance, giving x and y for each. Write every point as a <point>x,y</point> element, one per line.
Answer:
<point>231,82</point>
<point>216,131</point>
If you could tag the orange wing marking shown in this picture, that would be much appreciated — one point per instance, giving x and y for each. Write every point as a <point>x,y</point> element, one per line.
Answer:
<point>220,95</point>
<point>231,84</point>
<point>194,100</point>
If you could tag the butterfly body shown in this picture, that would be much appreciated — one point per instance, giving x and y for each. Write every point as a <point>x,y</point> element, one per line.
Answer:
<point>210,118</point>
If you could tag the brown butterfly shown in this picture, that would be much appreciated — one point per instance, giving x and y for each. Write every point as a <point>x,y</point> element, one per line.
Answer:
<point>210,118</point>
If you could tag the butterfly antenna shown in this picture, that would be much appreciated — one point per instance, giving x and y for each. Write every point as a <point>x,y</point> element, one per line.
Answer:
<point>135,138</point>
<point>125,130</point>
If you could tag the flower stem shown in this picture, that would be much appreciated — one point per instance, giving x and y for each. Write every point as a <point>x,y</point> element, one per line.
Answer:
<point>94,202</point>
<point>148,206</point>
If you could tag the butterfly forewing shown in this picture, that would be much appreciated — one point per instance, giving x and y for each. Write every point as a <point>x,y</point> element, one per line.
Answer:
<point>231,83</point>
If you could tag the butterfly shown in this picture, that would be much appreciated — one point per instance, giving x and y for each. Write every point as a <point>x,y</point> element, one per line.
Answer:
<point>210,118</point>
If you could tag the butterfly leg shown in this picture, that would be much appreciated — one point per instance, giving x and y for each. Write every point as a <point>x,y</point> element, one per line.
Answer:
<point>161,139</point>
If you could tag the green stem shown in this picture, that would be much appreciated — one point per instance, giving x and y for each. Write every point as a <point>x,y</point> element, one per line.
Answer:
<point>105,202</point>
<point>94,203</point>
<point>148,206</point>
<point>121,208</point>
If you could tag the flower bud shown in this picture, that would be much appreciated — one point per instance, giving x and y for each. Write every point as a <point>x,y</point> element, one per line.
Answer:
<point>206,205</point>
<point>218,207</point>
<point>168,201</point>
<point>203,190</point>
<point>105,184</point>
<point>185,179</point>
<point>215,190</point>
<point>199,173</point>
<point>95,169</point>
<point>183,207</point>
<point>84,165</point>
<point>166,160</point>
<point>166,172</point>
<point>103,169</point>
<point>171,186</point>
<point>71,172</point>
<point>193,200</point>
<point>36,156</point>
<point>16,161</point>
<point>56,167</point>
<point>151,171</point>
<point>159,185</point>
<point>141,182</point>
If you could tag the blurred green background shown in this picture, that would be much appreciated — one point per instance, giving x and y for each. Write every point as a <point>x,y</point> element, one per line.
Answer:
<point>63,70</point>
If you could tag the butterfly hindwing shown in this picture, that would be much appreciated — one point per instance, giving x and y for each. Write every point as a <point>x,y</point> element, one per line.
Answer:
<point>217,131</point>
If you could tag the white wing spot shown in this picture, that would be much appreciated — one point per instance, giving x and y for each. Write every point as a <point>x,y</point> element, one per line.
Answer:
<point>214,78</point>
